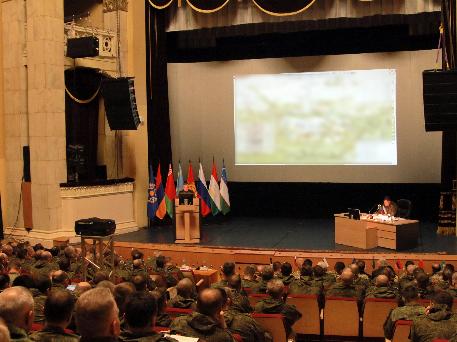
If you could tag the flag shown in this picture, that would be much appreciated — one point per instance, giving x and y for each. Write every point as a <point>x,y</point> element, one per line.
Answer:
<point>170,192</point>
<point>225,198</point>
<point>180,180</point>
<point>191,179</point>
<point>214,191</point>
<point>162,207</point>
<point>202,192</point>
<point>152,195</point>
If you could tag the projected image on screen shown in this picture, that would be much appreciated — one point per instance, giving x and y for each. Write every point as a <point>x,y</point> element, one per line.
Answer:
<point>319,118</point>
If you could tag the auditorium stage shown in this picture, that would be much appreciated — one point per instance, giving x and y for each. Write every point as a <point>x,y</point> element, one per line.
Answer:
<point>282,234</point>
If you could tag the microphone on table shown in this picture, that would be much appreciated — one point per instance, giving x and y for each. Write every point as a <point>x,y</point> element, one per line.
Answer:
<point>372,208</point>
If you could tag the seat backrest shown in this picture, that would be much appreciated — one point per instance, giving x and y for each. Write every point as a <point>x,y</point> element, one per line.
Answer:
<point>273,324</point>
<point>402,330</point>
<point>175,312</point>
<point>256,297</point>
<point>308,306</point>
<point>404,208</point>
<point>374,315</point>
<point>341,316</point>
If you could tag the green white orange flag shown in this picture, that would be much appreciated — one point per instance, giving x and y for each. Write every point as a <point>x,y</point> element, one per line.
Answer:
<point>225,198</point>
<point>170,192</point>
<point>214,192</point>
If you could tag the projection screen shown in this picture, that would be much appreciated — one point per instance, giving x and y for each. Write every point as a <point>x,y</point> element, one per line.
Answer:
<point>316,118</point>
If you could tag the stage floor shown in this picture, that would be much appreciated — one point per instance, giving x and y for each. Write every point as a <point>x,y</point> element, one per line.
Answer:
<point>283,234</point>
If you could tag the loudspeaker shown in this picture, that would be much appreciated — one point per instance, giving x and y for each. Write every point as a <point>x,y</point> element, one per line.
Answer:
<point>26,159</point>
<point>82,47</point>
<point>120,103</point>
<point>440,106</point>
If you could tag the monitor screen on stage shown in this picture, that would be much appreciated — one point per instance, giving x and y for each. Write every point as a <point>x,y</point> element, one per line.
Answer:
<point>316,118</point>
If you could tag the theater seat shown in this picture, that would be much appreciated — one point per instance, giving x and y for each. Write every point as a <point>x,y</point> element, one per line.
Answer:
<point>256,297</point>
<point>402,330</point>
<point>175,312</point>
<point>341,316</point>
<point>309,323</point>
<point>37,326</point>
<point>374,314</point>
<point>273,324</point>
<point>158,329</point>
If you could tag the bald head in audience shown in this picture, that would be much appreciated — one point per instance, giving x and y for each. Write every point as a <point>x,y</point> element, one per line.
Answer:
<point>16,307</point>
<point>185,288</point>
<point>275,288</point>
<point>347,276</point>
<point>82,287</point>
<point>121,292</point>
<point>46,256</point>
<point>267,273</point>
<point>97,314</point>
<point>210,303</point>
<point>382,281</point>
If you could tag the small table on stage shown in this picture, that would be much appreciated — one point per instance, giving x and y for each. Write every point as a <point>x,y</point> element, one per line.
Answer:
<point>368,233</point>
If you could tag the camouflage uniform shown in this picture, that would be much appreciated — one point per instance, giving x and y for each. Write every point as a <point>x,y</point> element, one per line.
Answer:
<point>152,336</point>
<point>240,303</point>
<point>43,267</point>
<point>452,291</point>
<point>182,303</point>
<point>287,280</point>
<point>52,334</point>
<point>38,307</point>
<point>219,284</point>
<point>278,306</point>
<point>247,284</point>
<point>407,312</point>
<point>303,286</point>
<point>18,334</point>
<point>381,292</point>
<point>339,289</point>
<point>245,326</point>
<point>201,326</point>
<point>260,287</point>
<point>163,320</point>
<point>438,323</point>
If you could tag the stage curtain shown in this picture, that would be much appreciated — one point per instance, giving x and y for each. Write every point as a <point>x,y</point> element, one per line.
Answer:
<point>81,115</point>
<point>159,137</point>
<point>272,7</point>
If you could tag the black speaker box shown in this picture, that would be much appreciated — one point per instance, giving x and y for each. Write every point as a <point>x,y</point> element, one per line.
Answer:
<point>440,100</point>
<point>82,47</point>
<point>120,103</point>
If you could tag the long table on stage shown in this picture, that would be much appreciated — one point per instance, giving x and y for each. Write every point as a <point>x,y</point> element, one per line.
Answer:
<point>368,233</point>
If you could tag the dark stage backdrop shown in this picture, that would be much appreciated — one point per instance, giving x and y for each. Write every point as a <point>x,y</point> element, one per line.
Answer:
<point>322,200</point>
<point>265,40</point>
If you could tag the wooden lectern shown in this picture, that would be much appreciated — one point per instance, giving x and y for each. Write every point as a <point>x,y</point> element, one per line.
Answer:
<point>187,222</point>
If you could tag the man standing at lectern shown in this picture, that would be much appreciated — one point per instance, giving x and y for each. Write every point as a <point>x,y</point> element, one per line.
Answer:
<point>186,195</point>
<point>388,207</point>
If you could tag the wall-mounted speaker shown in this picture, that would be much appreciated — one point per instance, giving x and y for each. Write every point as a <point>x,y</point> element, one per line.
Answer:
<point>120,103</point>
<point>440,104</point>
<point>82,47</point>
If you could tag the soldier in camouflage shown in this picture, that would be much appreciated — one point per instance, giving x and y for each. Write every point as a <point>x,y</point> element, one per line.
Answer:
<point>410,310</point>
<point>207,322</point>
<point>439,322</point>
<point>275,304</point>
<point>58,309</point>
<point>140,315</point>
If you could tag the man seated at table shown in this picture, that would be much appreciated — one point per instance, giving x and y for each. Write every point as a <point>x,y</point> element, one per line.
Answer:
<point>388,207</point>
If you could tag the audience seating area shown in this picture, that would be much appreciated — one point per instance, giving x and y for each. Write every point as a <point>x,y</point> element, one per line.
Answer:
<point>321,316</point>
